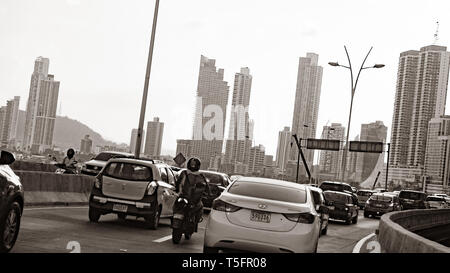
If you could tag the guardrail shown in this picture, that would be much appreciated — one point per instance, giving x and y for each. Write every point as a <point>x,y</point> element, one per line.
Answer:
<point>396,231</point>
<point>43,188</point>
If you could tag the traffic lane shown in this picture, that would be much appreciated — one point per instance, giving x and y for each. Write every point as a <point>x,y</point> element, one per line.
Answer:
<point>50,230</point>
<point>342,238</point>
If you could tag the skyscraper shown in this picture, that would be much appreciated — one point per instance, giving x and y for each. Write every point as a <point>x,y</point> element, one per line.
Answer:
<point>133,140</point>
<point>421,91</point>
<point>256,160</point>
<point>437,155</point>
<point>210,112</point>
<point>41,108</point>
<point>330,161</point>
<point>366,162</point>
<point>283,148</point>
<point>153,140</point>
<point>307,99</point>
<point>240,136</point>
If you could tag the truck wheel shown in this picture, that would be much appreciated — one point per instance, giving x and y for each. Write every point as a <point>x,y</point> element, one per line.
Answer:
<point>94,215</point>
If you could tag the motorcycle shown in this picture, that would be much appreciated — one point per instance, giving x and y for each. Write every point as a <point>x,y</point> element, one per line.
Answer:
<point>62,169</point>
<point>184,220</point>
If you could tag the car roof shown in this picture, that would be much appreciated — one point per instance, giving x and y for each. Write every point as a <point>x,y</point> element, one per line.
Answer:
<point>117,153</point>
<point>384,194</point>
<point>335,182</point>
<point>365,190</point>
<point>139,161</point>
<point>412,191</point>
<point>339,192</point>
<point>212,172</point>
<point>271,181</point>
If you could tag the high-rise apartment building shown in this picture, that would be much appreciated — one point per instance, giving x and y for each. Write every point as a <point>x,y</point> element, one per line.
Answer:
<point>283,148</point>
<point>133,140</point>
<point>421,91</point>
<point>330,161</point>
<point>240,136</point>
<point>366,162</point>
<point>437,156</point>
<point>41,108</point>
<point>210,112</point>
<point>256,160</point>
<point>153,140</point>
<point>306,106</point>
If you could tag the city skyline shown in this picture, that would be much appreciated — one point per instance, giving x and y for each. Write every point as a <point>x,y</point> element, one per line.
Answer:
<point>282,83</point>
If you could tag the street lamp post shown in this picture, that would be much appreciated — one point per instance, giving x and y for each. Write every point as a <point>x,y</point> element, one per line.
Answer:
<point>353,89</point>
<point>137,150</point>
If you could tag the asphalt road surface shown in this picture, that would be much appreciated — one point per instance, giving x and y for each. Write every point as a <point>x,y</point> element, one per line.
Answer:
<point>67,229</point>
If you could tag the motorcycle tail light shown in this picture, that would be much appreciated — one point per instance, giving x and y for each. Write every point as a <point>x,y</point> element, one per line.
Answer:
<point>304,218</point>
<point>223,206</point>
<point>151,188</point>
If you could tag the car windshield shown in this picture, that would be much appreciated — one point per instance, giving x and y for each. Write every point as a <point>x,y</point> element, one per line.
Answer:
<point>108,156</point>
<point>128,171</point>
<point>337,198</point>
<point>435,198</point>
<point>411,195</point>
<point>381,198</point>
<point>364,193</point>
<point>268,191</point>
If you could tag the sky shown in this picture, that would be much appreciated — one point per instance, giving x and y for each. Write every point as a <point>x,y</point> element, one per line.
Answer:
<point>98,51</point>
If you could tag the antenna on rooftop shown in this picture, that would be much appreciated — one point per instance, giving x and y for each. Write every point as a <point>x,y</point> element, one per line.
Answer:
<point>436,34</point>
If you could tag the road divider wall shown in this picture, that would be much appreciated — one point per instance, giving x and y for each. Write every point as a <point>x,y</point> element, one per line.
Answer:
<point>396,231</point>
<point>42,188</point>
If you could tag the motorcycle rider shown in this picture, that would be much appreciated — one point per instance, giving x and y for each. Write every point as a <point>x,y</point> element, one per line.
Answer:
<point>69,161</point>
<point>192,185</point>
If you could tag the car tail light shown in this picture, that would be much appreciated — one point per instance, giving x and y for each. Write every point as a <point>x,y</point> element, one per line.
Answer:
<point>151,188</point>
<point>98,182</point>
<point>305,218</point>
<point>223,206</point>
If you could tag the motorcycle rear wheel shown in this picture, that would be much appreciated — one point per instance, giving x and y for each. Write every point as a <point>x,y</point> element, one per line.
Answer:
<point>177,233</point>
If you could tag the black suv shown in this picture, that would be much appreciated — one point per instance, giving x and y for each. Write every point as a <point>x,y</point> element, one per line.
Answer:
<point>342,206</point>
<point>217,183</point>
<point>11,203</point>
<point>413,199</point>
<point>338,186</point>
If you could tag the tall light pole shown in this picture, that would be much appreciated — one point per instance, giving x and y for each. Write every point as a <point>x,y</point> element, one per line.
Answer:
<point>353,90</point>
<point>137,150</point>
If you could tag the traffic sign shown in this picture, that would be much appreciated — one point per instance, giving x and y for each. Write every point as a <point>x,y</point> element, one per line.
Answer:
<point>179,159</point>
<point>366,146</point>
<point>323,144</point>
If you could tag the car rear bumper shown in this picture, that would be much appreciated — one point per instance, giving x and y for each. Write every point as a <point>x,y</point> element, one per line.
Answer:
<point>145,207</point>
<point>340,215</point>
<point>220,233</point>
<point>377,211</point>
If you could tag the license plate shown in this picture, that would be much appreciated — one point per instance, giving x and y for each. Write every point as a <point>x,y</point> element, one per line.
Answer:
<point>259,216</point>
<point>120,208</point>
<point>331,207</point>
<point>378,205</point>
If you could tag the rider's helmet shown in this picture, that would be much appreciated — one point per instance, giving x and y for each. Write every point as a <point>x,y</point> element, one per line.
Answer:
<point>193,164</point>
<point>70,153</point>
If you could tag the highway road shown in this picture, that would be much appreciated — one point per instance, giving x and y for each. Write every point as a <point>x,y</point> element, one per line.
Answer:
<point>67,229</point>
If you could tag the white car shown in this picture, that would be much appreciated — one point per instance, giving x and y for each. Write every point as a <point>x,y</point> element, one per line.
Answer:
<point>436,202</point>
<point>263,215</point>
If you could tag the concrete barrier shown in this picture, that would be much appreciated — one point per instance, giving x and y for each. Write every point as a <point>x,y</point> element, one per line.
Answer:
<point>42,188</point>
<point>19,165</point>
<point>396,231</point>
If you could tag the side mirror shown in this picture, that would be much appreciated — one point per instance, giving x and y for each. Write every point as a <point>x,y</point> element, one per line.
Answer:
<point>6,158</point>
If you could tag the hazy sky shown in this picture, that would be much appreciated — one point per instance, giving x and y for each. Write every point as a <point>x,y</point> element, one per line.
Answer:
<point>98,50</point>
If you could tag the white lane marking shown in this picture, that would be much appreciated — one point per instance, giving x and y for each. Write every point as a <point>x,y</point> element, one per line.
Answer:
<point>361,242</point>
<point>47,208</point>
<point>165,238</point>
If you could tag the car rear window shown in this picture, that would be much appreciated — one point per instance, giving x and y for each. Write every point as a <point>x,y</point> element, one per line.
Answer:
<point>435,198</point>
<point>215,179</point>
<point>364,193</point>
<point>337,198</point>
<point>382,198</point>
<point>411,195</point>
<point>128,171</point>
<point>268,191</point>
